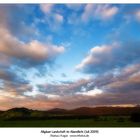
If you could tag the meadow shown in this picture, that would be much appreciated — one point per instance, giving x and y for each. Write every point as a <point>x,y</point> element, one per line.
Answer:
<point>104,121</point>
<point>80,117</point>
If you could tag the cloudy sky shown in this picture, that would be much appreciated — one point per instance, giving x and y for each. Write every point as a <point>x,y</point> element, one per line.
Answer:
<point>69,55</point>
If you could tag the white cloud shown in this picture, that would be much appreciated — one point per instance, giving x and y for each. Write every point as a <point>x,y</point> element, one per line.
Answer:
<point>33,51</point>
<point>53,17</point>
<point>39,51</point>
<point>58,18</point>
<point>96,55</point>
<point>93,92</point>
<point>53,96</point>
<point>106,11</point>
<point>107,58</point>
<point>137,15</point>
<point>46,8</point>
<point>101,12</point>
<point>88,12</point>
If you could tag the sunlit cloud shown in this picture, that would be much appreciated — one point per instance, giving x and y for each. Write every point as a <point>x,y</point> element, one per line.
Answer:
<point>93,92</point>
<point>69,55</point>
<point>46,8</point>
<point>101,12</point>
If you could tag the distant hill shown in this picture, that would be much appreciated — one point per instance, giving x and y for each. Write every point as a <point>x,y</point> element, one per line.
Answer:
<point>57,113</point>
<point>105,110</point>
<point>16,113</point>
<point>22,109</point>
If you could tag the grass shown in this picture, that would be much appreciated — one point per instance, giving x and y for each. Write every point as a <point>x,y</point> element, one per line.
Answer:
<point>23,117</point>
<point>69,123</point>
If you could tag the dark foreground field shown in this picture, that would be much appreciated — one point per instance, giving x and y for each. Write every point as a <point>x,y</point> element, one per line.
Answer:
<point>81,117</point>
<point>68,123</point>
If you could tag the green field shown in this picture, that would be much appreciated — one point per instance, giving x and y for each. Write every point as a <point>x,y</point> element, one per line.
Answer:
<point>70,123</point>
<point>82,117</point>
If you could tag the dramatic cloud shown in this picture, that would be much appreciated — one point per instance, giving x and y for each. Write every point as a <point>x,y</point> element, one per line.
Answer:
<point>105,82</point>
<point>69,88</point>
<point>110,57</point>
<point>107,89</point>
<point>30,53</point>
<point>11,87</point>
<point>33,36</point>
<point>11,84</point>
<point>17,24</point>
<point>101,12</point>
<point>40,102</point>
<point>127,82</point>
<point>15,51</point>
<point>8,75</point>
<point>18,56</point>
<point>96,58</point>
<point>68,102</point>
<point>93,92</point>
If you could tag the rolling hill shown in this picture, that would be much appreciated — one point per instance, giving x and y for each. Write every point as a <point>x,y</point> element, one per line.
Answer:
<point>57,113</point>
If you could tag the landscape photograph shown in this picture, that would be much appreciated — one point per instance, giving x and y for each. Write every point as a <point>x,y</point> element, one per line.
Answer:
<point>70,65</point>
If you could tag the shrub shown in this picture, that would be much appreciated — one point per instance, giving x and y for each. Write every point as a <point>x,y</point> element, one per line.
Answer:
<point>135,117</point>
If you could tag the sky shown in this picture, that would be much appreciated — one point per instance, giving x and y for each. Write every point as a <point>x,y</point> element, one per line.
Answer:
<point>69,55</point>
